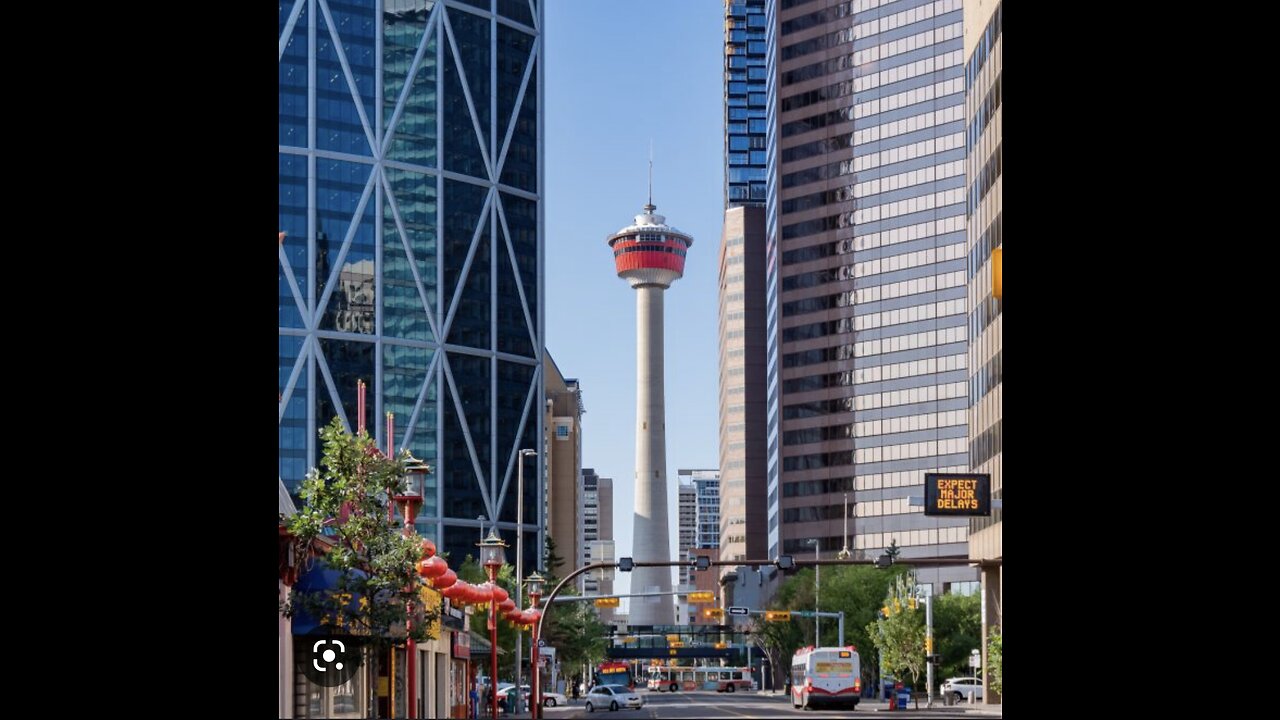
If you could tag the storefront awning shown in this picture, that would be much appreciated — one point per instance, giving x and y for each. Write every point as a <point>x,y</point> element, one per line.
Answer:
<point>323,579</point>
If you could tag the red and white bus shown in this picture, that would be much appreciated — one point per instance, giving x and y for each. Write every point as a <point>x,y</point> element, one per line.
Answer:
<point>613,672</point>
<point>671,678</point>
<point>825,676</point>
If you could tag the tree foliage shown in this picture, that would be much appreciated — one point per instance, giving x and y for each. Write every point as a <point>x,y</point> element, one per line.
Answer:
<point>900,636</point>
<point>857,590</point>
<point>957,630</point>
<point>345,500</point>
<point>995,647</point>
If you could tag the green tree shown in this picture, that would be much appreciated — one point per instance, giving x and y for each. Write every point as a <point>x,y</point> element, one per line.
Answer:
<point>779,641</point>
<point>957,629</point>
<point>552,562</point>
<point>858,591</point>
<point>900,636</point>
<point>345,500</point>
<point>893,551</point>
<point>995,647</point>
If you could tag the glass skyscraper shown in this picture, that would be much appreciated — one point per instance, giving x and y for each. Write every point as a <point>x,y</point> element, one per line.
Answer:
<point>744,91</point>
<point>410,195</point>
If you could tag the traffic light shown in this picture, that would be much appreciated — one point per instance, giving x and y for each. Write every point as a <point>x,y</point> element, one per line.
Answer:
<point>777,616</point>
<point>626,564</point>
<point>885,610</point>
<point>935,659</point>
<point>721,645</point>
<point>884,561</point>
<point>912,601</point>
<point>713,613</point>
<point>675,644</point>
<point>928,644</point>
<point>606,602</point>
<point>702,596</point>
<point>786,563</point>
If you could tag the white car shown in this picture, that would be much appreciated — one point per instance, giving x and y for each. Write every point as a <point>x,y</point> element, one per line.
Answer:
<point>613,697</point>
<point>961,687</point>
<point>553,699</point>
<point>549,699</point>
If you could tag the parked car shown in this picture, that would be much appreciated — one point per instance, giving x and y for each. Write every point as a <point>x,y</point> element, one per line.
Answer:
<point>613,697</point>
<point>549,698</point>
<point>961,686</point>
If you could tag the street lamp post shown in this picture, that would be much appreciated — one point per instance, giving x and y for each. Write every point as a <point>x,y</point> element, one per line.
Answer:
<point>928,641</point>
<point>535,583</point>
<point>415,482</point>
<point>844,553</point>
<point>493,557</point>
<point>520,566</point>
<point>817,585</point>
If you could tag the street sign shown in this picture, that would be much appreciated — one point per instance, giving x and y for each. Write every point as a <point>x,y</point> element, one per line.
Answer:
<point>975,659</point>
<point>967,494</point>
<point>739,611</point>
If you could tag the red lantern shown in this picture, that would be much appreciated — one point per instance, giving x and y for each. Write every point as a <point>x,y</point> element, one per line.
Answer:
<point>475,595</point>
<point>428,549</point>
<point>506,606</point>
<point>433,567</point>
<point>499,594</point>
<point>484,592</point>
<point>513,614</point>
<point>448,578</point>
<point>456,592</point>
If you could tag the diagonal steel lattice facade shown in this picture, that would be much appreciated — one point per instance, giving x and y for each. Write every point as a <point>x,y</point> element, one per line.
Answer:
<point>411,166</point>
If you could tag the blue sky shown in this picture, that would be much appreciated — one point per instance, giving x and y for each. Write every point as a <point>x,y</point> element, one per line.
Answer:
<point>620,73</point>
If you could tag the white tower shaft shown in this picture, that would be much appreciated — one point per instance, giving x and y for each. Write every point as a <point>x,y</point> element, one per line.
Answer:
<point>651,541</point>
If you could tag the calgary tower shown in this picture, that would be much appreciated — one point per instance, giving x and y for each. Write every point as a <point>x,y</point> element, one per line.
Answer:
<point>650,254</point>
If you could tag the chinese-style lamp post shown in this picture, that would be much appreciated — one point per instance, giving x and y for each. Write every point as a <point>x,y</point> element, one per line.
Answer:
<point>415,482</point>
<point>493,557</point>
<point>534,583</point>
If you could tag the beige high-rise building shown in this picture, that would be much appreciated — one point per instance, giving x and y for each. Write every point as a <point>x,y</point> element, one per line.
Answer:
<point>983,54</point>
<point>563,447</point>
<point>743,488</point>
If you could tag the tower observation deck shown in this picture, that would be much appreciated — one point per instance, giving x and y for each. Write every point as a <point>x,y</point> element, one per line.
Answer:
<point>649,254</point>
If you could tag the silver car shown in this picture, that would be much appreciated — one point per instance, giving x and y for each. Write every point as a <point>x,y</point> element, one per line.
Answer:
<point>613,697</point>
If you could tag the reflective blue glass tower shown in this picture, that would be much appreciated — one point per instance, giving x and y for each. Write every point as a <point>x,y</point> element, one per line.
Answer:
<point>410,195</point>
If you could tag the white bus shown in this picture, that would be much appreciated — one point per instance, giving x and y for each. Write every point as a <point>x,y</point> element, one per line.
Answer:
<point>664,678</point>
<point>825,676</point>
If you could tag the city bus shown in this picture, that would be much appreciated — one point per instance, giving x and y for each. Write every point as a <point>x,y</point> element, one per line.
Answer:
<point>664,678</point>
<point>825,676</point>
<point>612,672</point>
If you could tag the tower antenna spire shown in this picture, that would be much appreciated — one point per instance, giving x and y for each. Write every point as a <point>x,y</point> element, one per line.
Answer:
<point>650,207</point>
